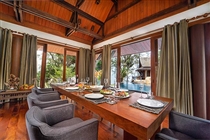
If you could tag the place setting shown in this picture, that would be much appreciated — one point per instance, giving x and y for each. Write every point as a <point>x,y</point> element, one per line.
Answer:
<point>149,104</point>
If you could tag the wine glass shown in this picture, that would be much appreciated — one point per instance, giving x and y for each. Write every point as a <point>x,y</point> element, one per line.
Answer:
<point>105,82</point>
<point>87,79</point>
<point>141,88</point>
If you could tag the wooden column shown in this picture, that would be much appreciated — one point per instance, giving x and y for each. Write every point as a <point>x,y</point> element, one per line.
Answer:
<point>198,70</point>
<point>154,61</point>
<point>43,69</point>
<point>16,54</point>
<point>207,51</point>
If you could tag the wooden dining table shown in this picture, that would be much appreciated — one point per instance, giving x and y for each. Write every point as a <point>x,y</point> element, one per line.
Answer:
<point>136,123</point>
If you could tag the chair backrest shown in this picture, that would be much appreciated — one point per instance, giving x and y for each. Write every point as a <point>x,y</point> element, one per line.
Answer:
<point>195,127</point>
<point>35,119</point>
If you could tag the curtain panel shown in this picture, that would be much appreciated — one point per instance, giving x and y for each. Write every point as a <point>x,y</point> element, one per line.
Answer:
<point>92,67</point>
<point>28,59</point>
<point>84,63</point>
<point>174,71</point>
<point>200,60</point>
<point>106,63</point>
<point>5,55</point>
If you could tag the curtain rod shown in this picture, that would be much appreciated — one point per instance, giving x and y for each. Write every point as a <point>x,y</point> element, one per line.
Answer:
<point>198,17</point>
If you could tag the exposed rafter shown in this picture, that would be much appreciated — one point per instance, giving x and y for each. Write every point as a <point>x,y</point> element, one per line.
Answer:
<point>17,10</point>
<point>74,19</point>
<point>44,15</point>
<point>80,12</point>
<point>123,9</point>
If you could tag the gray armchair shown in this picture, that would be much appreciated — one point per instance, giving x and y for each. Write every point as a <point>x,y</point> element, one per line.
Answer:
<point>182,126</point>
<point>44,100</point>
<point>59,123</point>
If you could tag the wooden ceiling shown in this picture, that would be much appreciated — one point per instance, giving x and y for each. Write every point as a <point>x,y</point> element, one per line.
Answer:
<point>89,21</point>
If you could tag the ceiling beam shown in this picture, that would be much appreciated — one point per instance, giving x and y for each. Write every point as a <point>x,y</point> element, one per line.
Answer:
<point>17,10</point>
<point>80,12</point>
<point>20,3</point>
<point>46,16</point>
<point>123,9</point>
<point>74,19</point>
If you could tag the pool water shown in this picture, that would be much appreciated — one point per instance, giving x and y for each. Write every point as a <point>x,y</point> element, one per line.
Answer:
<point>136,87</point>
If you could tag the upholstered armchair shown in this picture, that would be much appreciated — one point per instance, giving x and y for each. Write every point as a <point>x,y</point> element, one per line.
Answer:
<point>182,126</point>
<point>59,123</point>
<point>44,100</point>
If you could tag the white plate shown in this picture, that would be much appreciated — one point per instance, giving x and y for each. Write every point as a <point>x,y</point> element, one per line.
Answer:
<point>72,88</point>
<point>123,90</point>
<point>123,97</point>
<point>94,96</point>
<point>150,103</point>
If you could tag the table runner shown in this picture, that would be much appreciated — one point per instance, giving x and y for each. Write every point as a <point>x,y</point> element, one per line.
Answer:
<point>149,109</point>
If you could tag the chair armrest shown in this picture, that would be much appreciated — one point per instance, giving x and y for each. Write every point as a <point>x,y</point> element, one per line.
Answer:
<point>195,127</point>
<point>86,130</point>
<point>161,136</point>
<point>59,113</point>
<point>49,96</point>
<point>42,104</point>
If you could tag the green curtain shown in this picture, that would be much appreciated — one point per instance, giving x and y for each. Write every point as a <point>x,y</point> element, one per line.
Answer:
<point>28,59</point>
<point>106,63</point>
<point>84,63</point>
<point>5,55</point>
<point>174,72</point>
<point>92,67</point>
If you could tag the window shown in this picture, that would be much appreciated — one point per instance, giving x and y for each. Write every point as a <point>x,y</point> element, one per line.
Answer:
<point>39,64</point>
<point>113,68</point>
<point>98,69</point>
<point>71,65</point>
<point>135,64</point>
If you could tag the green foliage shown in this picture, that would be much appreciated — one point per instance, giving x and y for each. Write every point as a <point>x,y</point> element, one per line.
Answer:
<point>98,65</point>
<point>54,67</point>
<point>127,62</point>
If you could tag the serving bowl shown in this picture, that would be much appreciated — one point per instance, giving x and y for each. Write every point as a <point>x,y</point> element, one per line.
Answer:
<point>96,87</point>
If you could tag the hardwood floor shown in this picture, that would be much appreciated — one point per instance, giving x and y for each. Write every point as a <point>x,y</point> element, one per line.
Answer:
<point>12,122</point>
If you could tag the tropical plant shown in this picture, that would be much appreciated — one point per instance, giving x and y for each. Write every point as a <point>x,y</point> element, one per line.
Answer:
<point>54,67</point>
<point>127,62</point>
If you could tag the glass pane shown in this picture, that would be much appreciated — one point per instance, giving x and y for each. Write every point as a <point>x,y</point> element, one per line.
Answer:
<point>135,66</point>
<point>98,69</point>
<point>71,65</point>
<point>113,68</point>
<point>39,64</point>
<point>54,65</point>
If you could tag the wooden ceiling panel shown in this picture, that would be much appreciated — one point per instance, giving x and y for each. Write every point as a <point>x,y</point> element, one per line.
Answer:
<point>53,16</point>
<point>90,7</point>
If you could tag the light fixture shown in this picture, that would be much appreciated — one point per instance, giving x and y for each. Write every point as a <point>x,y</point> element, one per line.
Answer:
<point>97,2</point>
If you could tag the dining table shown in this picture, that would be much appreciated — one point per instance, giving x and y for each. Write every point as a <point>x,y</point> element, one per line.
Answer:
<point>136,123</point>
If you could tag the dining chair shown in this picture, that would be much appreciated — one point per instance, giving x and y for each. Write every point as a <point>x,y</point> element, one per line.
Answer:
<point>59,123</point>
<point>182,126</point>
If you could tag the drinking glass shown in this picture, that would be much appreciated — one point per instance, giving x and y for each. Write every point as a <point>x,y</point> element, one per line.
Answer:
<point>87,79</point>
<point>141,88</point>
<point>105,82</point>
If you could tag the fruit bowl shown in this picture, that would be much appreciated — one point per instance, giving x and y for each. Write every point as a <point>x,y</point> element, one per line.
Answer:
<point>96,87</point>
